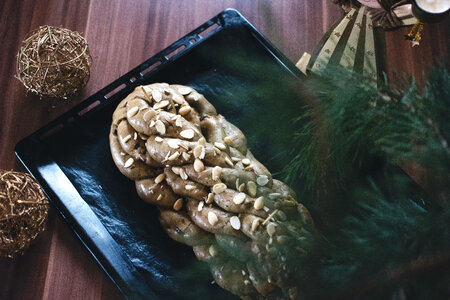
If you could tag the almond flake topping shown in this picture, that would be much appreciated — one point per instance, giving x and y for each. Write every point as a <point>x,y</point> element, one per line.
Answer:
<point>157,96</point>
<point>187,134</point>
<point>174,144</point>
<point>160,127</point>
<point>160,178</point>
<point>212,218</point>
<point>235,222</point>
<point>184,91</point>
<point>219,188</point>
<point>132,111</point>
<point>239,198</point>
<point>129,162</point>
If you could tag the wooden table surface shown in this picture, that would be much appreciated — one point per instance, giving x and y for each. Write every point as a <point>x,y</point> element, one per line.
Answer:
<point>121,35</point>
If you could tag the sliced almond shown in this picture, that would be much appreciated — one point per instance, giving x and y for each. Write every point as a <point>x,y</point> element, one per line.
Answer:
<point>167,156</point>
<point>259,203</point>
<point>221,146</point>
<point>228,139</point>
<point>184,91</point>
<point>159,139</point>
<point>251,188</point>
<point>235,222</point>
<point>160,127</point>
<point>246,161</point>
<point>187,134</point>
<point>217,150</point>
<point>199,152</point>
<point>274,196</point>
<point>216,171</point>
<point>160,178</point>
<point>184,110</point>
<point>213,251</point>
<point>200,206</point>
<point>219,188</point>
<point>255,224</point>
<point>149,114</point>
<point>249,168</point>
<point>189,187</point>
<point>132,111</point>
<point>239,198</point>
<point>229,162</point>
<point>156,95</point>
<point>161,104</point>
<point>183,174</point>
<point>179,122</point>
<point>210,198</point>
<point>177,99</point>
<point>178,204</point>
<point>176,170</point>
<point>235,159</point>
<point>271,228</point>
<point>126,139</point>
<point>262,180</point>
<point>241,188</point>
<point>186,156</point>
<point>212,218</point>
<point>152,123</point>
<point>160,196</point>
<point>174,144</point>
<point>174,156</point>
<point>198,165</point>
<point>129,162</point>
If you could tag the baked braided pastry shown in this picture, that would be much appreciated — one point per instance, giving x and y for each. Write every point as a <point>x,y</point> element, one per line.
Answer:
<point>212,193</point>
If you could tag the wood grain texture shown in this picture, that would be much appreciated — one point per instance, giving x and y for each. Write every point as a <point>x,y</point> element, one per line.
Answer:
<point>122,34</point>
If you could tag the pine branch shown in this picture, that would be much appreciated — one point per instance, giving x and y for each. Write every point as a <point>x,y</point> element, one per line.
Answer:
<point>376,223</point>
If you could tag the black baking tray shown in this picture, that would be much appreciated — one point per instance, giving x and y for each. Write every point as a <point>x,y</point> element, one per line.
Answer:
<point>244,76</point>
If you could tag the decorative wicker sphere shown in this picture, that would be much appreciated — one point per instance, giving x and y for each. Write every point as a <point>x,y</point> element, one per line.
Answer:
<point>23,212</point>
<point>54,62</point>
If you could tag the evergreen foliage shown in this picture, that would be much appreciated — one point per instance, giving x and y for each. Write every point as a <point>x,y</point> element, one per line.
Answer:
<point>380,236</point>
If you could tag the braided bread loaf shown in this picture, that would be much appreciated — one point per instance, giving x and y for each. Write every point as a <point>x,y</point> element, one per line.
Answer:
<point>212,193</point>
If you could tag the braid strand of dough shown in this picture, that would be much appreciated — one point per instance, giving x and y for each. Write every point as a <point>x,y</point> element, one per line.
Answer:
<point>212,193</point>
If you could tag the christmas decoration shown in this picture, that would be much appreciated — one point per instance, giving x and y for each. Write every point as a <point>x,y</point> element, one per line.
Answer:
<point>352,42</point>
<point>212,193</point>
<point>23,212</point>
<point>383,238</point>
<point>429,11</point>
<point>53,62</point>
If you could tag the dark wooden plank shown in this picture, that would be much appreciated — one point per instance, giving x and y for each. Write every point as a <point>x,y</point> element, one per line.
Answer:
<point>121,34</point>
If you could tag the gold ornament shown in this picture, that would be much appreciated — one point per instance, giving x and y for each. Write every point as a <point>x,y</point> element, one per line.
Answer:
<point>415,35</point>
<point>23,212</point>
<point>54,62</point>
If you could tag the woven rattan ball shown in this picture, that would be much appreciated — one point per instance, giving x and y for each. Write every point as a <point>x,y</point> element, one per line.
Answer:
<point>23,212</point>
<point>54,62</point>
